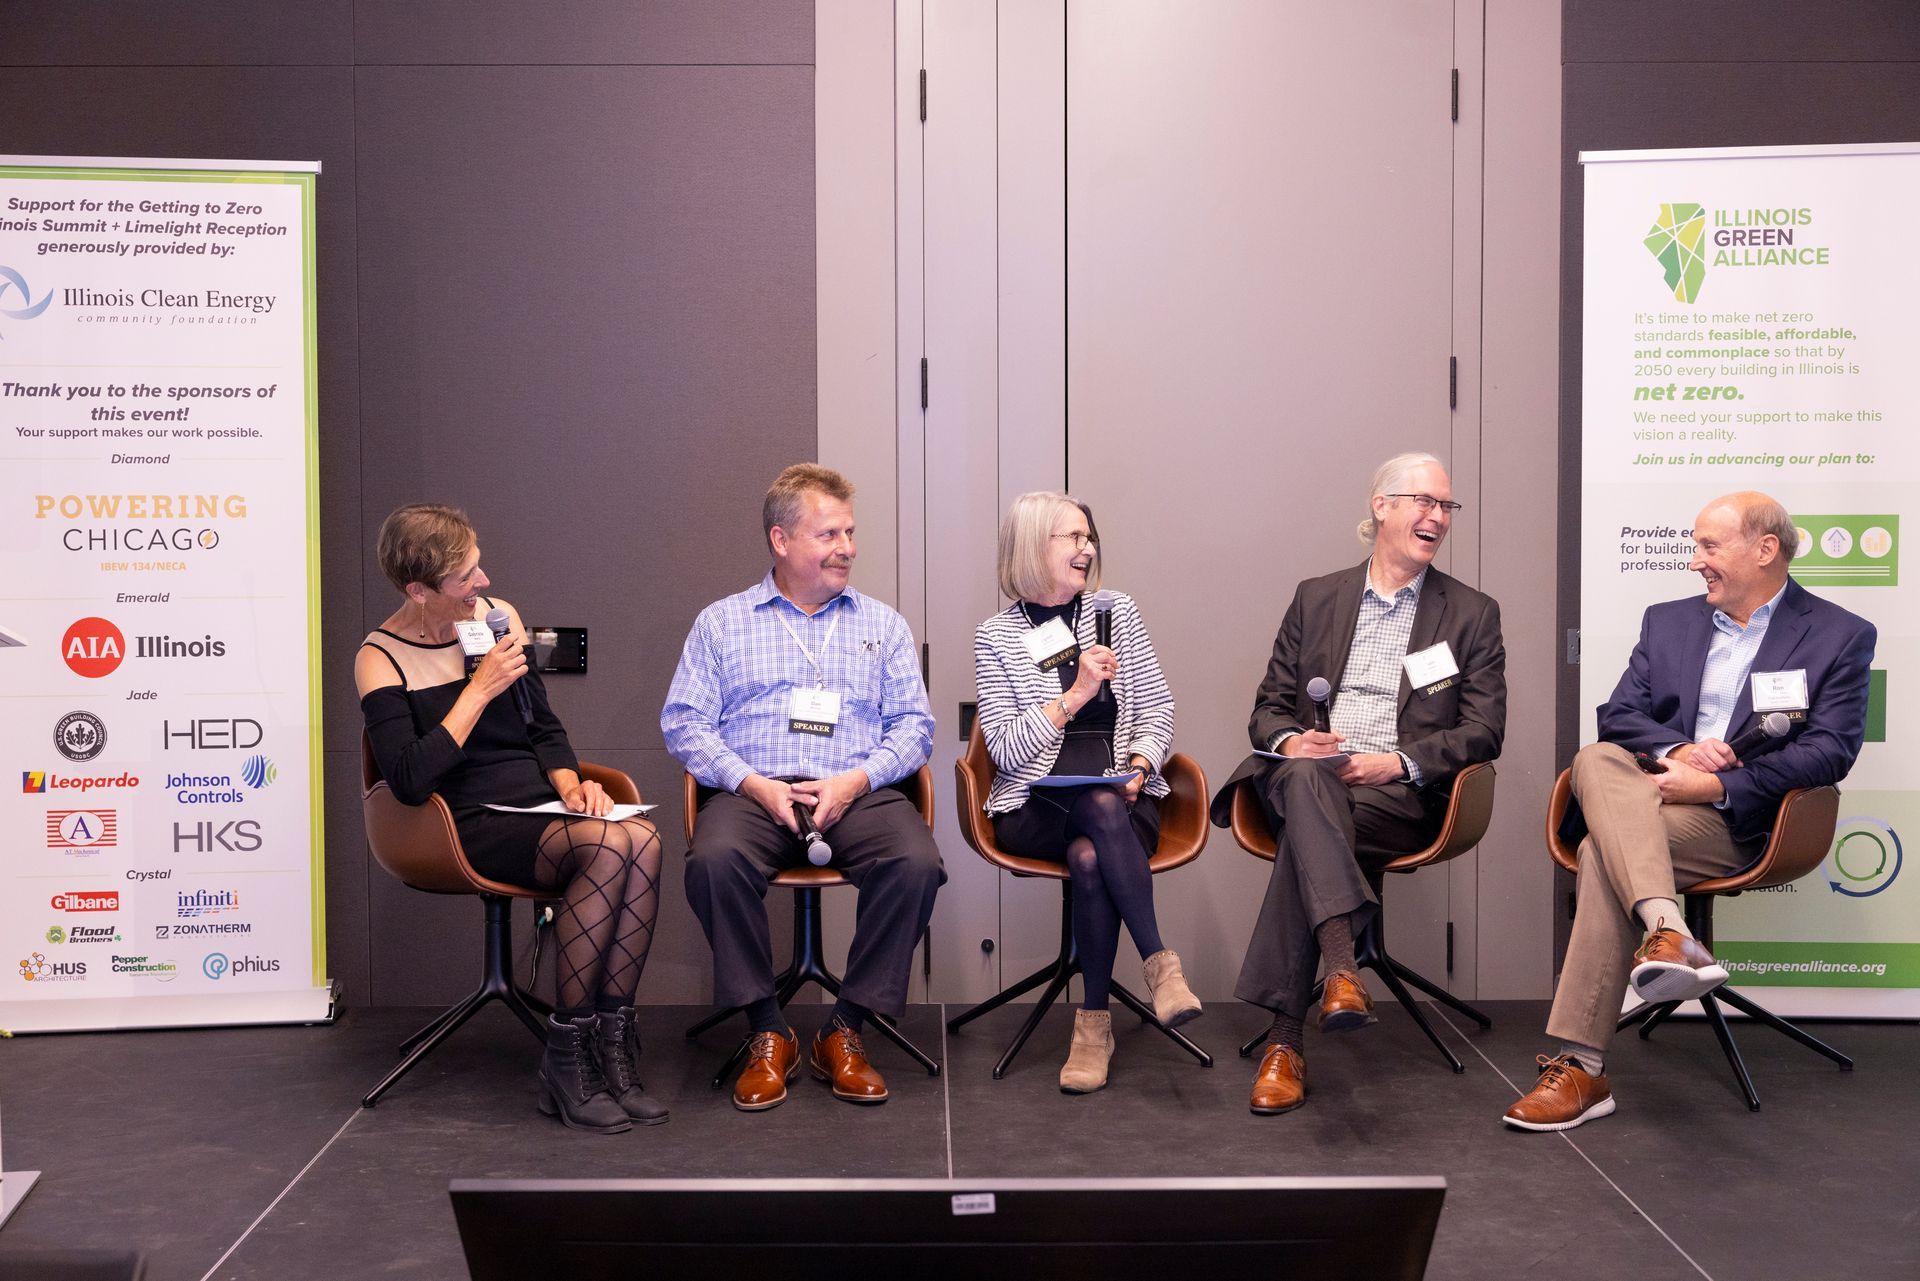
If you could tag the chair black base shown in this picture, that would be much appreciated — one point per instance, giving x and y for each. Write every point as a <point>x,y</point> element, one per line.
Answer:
<point>1056,976</point>
<point>496,984</point>
<point>809,965</point>
<point>1650,1015</point>
<point>1370,953</point>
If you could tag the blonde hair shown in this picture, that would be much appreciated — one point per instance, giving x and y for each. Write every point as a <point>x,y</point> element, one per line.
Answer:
<point>784,501</point>
<point>423,543</point>
<point>1387,479</point>
<point>1024,537</point>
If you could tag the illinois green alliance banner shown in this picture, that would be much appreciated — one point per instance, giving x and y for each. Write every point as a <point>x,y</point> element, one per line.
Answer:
<point>1749,324</point>
<point>159,622</point>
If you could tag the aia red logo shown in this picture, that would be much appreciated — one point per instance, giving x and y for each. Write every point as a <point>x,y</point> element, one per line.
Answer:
<point>93,647</point>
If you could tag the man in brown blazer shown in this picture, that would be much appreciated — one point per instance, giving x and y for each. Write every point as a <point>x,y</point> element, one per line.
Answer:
<point>1416,691</point>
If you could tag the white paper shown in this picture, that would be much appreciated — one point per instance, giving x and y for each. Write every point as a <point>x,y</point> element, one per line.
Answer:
<point>617,814</point>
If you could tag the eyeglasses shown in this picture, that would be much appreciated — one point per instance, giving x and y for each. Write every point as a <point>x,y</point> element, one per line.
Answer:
<point>1080,541</point>
<point>1427,502</point>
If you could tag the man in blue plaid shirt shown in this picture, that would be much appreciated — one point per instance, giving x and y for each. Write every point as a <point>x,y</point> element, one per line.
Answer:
<point>800,696</point>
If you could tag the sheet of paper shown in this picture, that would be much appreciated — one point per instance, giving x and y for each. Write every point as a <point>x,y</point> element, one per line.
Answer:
<point>617,814</point>
<point>1336,760</point>
<point>1086,780</point>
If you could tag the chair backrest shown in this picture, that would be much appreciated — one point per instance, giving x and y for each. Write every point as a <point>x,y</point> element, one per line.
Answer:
<point>1183,814</point>
<point>1469,811</point>
<point>420,845</point>
<point>1802,834</point>
<point>917,786</point>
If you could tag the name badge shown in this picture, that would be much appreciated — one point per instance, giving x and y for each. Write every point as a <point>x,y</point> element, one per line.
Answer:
<point>813,711</point>
<point>476,638</point>
<point>1430,666</point>
<point>1051,644</point>
<point>1779,691</point>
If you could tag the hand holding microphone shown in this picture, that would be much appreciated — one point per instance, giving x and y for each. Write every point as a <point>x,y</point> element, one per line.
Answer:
<point>498,623</point>
<point>1320,740</point>
<point>1103,635</point>
<point>1320,691</point>
<point>819,853</point>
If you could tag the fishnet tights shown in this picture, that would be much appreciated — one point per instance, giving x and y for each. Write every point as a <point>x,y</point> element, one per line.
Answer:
<point>605,924</point>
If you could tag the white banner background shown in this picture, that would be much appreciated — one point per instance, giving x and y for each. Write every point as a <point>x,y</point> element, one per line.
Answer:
<point>159,670</point>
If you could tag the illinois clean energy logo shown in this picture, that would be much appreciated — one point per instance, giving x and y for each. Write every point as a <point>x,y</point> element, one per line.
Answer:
<point>1865,858</point>
<point>11,280</point>
<point>1674,240</point>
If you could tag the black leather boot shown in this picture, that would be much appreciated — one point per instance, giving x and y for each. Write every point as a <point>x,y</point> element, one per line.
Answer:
<point>571,1086</point>
<point>618,1049</point>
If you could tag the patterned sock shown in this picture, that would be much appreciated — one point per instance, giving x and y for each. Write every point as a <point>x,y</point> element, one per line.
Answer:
<point>1285,1030</point>
<point>1335,937</point>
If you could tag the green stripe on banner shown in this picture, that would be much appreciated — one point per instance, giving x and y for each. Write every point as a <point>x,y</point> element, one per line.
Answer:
<point>1877,705</point>
<point>1819,964</point>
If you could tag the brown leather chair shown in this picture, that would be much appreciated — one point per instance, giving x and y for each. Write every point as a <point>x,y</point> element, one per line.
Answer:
<point>1469,810</point>
<point>1802,835</point>
<point>419,845</point>
<point>809,961</point>
<point>1183,834</point>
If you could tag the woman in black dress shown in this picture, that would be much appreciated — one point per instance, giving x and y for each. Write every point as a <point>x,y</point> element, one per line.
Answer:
<point>435,726</point>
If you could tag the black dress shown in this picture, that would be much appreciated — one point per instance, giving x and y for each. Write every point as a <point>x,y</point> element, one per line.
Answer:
<point>1038,829</point>
<point>504,762</point>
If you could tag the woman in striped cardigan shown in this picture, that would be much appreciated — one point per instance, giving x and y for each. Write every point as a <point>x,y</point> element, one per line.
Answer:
<point>1052,701</point>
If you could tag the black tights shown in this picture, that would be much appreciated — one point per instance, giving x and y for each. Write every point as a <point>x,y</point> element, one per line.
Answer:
<point>1111,884</point>
<point>605,924</point>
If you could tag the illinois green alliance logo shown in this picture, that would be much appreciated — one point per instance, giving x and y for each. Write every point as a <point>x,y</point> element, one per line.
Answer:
<point>1679,239</point>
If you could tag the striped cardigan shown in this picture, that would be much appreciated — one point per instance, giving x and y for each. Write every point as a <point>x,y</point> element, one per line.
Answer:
<point>1012,693</point>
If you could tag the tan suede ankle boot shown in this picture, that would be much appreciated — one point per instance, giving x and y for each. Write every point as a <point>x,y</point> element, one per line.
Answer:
<point>1173,1001</point>
<point>1086,1069</point>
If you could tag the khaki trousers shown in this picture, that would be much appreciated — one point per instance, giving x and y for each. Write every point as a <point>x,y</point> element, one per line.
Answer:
<point>1636,848</point>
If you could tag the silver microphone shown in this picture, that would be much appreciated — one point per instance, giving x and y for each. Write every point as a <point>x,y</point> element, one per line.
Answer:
<point>818,851</point>
<point>1319,691</point>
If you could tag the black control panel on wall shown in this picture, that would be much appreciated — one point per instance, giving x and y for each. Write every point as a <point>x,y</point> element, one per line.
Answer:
<point>559,649</point>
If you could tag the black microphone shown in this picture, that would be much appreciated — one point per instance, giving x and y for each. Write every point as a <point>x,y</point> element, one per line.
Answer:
<point>497,622</point>
<point>1319,691</point>
<point>818,851</point>
<point>1772,725</point>
<point>1103,632</point>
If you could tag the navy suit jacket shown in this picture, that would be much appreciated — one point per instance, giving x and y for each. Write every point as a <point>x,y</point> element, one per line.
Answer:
<point>1657,701</point>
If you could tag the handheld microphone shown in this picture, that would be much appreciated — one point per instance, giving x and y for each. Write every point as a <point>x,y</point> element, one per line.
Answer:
<point>1772,725</point>
<point>1103,632</point>
<point>818,851</point>
<point>498,624</point>
<point>1320,691</point>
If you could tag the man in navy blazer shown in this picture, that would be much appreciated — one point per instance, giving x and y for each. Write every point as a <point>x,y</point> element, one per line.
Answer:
<point>1662,801</point>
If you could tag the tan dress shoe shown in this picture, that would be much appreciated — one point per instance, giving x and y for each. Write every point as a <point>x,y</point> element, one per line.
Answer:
<point>1563,1097</point>
<point>1086,1068</point>
<point>1173,1001</point>
<point>773,1059</point>
<point>1344,1003</point>
<point>839,1059</point>
<point>1671,966</point>
<point>1281,1085</point>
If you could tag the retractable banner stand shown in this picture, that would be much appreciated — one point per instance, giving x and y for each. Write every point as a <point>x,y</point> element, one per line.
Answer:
<point>1749,324</point>
<point>159,620</point>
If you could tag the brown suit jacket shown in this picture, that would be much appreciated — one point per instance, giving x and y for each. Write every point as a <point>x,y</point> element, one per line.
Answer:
<point>1443,729</point>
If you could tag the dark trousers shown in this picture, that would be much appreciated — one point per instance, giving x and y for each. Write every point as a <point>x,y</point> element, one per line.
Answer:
<point>880,844</point>
<point>1332,840</point>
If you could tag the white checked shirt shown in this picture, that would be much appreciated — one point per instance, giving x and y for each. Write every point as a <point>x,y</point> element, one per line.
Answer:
<point>1366,708</point>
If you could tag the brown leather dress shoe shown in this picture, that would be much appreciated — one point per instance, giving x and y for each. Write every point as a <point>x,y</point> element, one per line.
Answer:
<point>839,1059</point>
<point>1563,1097</point>
<point>1671,966</point>
<point>1344,1003</point>
<point>1281,1085</point>
<point>773,1059</point>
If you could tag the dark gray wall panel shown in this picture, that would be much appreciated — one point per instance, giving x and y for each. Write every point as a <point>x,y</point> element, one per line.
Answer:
<point>348,866</point>
<point>1741,31</point>
<point>135,33</point>
<point>588,319</point>
<point>584,31</point>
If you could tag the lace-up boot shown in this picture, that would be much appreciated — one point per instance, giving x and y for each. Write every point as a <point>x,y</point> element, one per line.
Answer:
<point>571,1086</point>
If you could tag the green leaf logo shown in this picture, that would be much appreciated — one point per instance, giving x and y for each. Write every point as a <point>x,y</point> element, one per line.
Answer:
<point>1675,241</point>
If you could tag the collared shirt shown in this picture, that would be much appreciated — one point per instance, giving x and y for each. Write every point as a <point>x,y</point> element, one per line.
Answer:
<point>1729,657</point>
<point>1366,708</point>
<point>729,708</point>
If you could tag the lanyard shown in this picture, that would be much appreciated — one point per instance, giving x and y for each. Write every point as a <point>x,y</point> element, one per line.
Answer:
<point>819,676</point>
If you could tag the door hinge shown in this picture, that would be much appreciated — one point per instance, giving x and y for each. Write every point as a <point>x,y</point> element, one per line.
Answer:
<point>923,94</point>
<point>1449,947</point>
<point>1453,382</point>
<point>923,382</point>
<point>1455,117</point>
<point>926,664</point>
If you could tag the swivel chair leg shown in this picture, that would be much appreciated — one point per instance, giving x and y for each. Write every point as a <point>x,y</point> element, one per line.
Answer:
<point>1406,1000</point>
<point>1061,976</point>
<point>1434,990</point>
<point>1725,1036</point>
<point>1173,1034</point>
<point>999,999</point>
<point>1759,1012</point>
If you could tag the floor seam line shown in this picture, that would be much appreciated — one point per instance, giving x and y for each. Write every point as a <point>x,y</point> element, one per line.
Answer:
<point>1564,1135</point>
<point>946,1086</point>
<point>261,1217</point>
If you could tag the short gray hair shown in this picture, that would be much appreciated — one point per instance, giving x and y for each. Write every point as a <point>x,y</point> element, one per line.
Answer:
<point>1762,515</point>
<point>1388,478</point>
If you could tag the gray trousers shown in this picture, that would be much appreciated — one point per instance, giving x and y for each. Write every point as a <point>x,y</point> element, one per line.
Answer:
<point>1636,848</point>
<point>880,844</point>
<point>1331,841</point>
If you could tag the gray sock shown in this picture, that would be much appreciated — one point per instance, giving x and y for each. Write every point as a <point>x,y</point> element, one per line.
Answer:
<point>1661,914</point>
<point>1593,1062</point>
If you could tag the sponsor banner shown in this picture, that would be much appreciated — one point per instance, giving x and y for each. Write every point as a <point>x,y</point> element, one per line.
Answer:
<point>159,691</point>
<point>1745,328</point>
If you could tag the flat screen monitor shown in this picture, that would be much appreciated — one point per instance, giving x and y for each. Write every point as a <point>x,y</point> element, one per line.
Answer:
<point>1003,1229</point>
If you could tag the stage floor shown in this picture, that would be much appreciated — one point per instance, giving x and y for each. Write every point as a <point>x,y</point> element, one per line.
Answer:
<point>245,1153</point>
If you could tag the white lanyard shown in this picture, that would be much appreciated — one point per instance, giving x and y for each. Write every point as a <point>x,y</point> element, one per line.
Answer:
<point>819,676</point>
